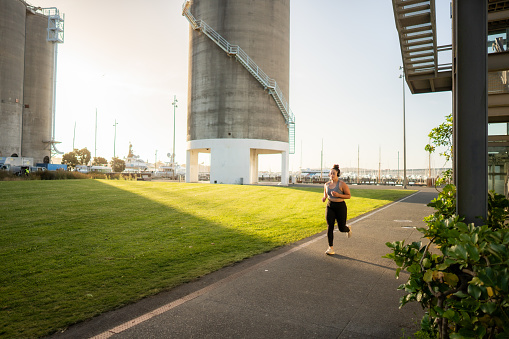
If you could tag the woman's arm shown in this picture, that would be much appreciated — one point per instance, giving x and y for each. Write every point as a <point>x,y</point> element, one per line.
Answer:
<point>324,193</point>
<point>346,191</point>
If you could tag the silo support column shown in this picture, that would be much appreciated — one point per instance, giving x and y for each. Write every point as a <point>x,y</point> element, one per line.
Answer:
<point>192,167</point>
<point>254,167</point>
<point>285,160</point>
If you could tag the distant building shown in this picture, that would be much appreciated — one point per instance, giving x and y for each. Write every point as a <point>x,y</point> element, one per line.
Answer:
<point>133,163</point>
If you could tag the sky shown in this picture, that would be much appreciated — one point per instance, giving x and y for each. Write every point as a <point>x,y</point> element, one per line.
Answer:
<point>128,59</point>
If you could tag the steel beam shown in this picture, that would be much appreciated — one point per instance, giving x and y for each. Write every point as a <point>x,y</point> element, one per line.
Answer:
<point>471,109</point>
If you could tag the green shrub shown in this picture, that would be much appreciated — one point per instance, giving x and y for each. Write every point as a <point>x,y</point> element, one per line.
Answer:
<point>8,176</point>
<point>60,175</point>
<point>63,175</point>
<point>464,286</point>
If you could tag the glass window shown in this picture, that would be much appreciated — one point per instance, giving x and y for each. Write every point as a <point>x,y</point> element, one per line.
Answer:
<point>499,128</point>
<point>498,166</point>
<point>497,41</point>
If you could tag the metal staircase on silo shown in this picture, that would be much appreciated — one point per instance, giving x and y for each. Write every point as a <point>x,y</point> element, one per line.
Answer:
<point>55,35</point>
<point>251,66</point>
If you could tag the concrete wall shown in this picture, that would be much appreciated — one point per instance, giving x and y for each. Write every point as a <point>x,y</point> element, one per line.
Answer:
<point>225,101</point>
<point>12,51</point>
<point>38,88</point>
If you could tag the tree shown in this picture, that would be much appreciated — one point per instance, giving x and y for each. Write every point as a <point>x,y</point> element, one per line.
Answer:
<point>70,159</point>
<point>76,157</point>
<point>117,165</point>
<point>83,156</point>
<point>441,136</point>
<point>99,161</point>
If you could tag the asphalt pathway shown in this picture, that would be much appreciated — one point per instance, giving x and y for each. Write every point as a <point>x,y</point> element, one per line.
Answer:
<point>293,292</point>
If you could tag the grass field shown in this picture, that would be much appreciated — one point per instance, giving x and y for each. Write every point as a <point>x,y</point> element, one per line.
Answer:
<point>72,249</point>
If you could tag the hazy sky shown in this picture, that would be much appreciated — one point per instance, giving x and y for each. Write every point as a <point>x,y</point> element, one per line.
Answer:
<point>129,58</point>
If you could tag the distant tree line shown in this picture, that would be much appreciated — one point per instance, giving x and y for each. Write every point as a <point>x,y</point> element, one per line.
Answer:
<point>83,157</point>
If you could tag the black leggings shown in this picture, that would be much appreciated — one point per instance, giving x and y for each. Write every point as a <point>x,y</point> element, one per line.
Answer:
<point>335,211</point>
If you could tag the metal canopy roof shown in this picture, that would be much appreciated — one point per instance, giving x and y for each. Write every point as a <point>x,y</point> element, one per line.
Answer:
<point>415,22</point>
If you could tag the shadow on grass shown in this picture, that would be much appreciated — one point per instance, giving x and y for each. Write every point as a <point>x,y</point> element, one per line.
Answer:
<point>75,249</point>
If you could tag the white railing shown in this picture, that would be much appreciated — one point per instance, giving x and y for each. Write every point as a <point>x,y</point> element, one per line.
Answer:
<point>245,60</point>
<point>432,67</point>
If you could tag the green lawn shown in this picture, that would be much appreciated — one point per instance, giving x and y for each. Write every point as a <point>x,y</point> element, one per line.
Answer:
<point>72,249</point>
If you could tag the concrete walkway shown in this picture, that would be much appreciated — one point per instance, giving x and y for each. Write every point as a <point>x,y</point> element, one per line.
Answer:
<point>293,292</point>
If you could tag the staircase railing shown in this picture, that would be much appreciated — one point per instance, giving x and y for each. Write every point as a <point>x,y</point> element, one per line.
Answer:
<point>250,65</point>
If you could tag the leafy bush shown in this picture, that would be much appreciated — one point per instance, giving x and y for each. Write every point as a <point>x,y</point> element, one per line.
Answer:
<point>464,286</point>
<point>7,176</point>
<point>62,175</point>
<point>46,175</point>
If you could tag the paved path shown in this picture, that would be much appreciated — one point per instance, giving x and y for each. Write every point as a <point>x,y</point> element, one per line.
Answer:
<point>293,292</point>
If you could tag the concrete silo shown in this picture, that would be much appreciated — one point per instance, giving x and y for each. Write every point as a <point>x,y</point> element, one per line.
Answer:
<point>38,89</point>
<point>28,49</point>
<point>12,54</point>
<point>238,79</point>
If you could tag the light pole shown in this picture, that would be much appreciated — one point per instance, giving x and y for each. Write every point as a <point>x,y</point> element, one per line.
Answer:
<point>321,163</point>
<point>115,138</point>
<point>174,103</point>
<point>358,164</point>
<point>95,142</point>
<point>404,128</point>
<point>74,136</point>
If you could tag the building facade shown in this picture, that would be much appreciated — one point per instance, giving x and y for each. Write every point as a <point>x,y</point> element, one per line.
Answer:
<point>415,22</point>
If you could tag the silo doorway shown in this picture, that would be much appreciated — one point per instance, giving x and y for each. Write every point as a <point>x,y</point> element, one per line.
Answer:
<point>269,168</point>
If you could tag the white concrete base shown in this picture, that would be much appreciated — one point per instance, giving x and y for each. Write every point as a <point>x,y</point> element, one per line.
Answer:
<point>234,161</point>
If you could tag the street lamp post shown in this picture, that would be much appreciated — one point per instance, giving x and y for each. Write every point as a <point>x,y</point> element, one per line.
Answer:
<point>404,129</point>
<point>321,163</point>
<point>398,164</point>
<point>115,138</point>
<point>95,137</point>
<point>174,103</point>
<point>74,135</point>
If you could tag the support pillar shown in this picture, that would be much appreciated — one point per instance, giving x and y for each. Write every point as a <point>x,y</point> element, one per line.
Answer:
<point>192,166</point>
<point>471,111</point>
<point>285,159</point>
<point>253,171</point>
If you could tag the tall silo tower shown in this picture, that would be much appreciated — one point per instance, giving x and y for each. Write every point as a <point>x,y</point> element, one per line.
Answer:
<point>238,79</point>
<point>28,52</point>
<point>12,59</point>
